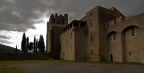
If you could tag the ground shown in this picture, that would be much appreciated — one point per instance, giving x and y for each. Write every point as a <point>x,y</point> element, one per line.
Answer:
<point>60,66</point>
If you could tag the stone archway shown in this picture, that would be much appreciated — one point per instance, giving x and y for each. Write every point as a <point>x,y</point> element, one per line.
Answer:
<point>113,53</point>
<point>131,44</point>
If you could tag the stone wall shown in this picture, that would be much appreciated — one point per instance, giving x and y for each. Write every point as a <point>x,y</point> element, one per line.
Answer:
<point>67,45</point>
<point>91,18</point>
<point>73,41</point>
<point>80,44</point>
<point>114,47</point>
<point>24,56</point>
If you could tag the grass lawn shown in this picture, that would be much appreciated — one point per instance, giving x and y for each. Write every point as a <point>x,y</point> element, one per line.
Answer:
<point>7,66</point>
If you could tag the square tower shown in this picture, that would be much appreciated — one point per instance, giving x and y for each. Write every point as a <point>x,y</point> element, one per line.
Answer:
<point>54,29</point>
<point>96,31</point>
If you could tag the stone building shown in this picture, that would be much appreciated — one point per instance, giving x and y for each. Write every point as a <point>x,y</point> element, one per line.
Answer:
<point>54,30</point>
<point>73,41</point>
<point>101,35</point>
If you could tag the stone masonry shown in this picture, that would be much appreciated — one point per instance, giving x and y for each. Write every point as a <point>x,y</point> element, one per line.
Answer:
<point>101,35</point>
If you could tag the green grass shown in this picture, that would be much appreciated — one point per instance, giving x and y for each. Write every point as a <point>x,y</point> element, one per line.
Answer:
<point>59,61</point>
<point>7,66</point>
<point>9,69</point>
<point>35,62</point>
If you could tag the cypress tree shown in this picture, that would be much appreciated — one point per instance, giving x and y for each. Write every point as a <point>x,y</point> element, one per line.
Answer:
<point>34,44</point>
<point>23,43</point>
<point>27,44</point>
<point>16,49</point>
<point>30,46</point>
<point>41,44</point>
<point>37,45</point>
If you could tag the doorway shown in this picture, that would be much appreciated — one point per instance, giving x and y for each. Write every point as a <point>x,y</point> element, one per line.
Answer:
<point>111,57</point>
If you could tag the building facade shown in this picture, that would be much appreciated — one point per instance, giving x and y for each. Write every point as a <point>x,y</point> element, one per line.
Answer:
<point>102,35</point>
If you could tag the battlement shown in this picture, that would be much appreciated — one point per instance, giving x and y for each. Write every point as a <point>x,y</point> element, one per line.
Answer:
<point>121,19</point>
<point>74,23</point>
<point>115,21</point>
<point>58,19</point>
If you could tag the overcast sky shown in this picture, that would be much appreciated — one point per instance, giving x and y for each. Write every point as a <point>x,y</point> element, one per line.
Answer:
<point>31,16</point>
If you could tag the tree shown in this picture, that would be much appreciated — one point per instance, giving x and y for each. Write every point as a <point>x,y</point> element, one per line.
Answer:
<point>23,43</point>
<point>16,49</point>
<point>41,44</point>
<point>35,44</point>
<point>30,46</point>
<point>27,44</point>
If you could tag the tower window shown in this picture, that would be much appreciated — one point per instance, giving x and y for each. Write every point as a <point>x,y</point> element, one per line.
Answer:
<point>91,22</point>
<point>114,37</point>
<point>91,38</point>
<point>129,53</point>
<point>71,35</point>
<point>132,32</point>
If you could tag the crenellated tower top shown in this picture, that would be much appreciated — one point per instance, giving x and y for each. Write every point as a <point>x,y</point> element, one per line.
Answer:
<point>59,19</point>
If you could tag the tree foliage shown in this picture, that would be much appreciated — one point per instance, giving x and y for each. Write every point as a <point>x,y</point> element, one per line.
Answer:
<point>23,43</point>
<point>35,48</point>
<point>16,49</point>
<point>41,44</point>
<point>30,46</point>
<point>27,44</point>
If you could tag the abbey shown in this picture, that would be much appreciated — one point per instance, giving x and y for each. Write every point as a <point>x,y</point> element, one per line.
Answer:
<point>101,35</point>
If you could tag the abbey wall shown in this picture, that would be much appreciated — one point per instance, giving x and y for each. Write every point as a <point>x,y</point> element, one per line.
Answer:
<point>73,41</point>
<point>101,35</point>
<point>129,39</point>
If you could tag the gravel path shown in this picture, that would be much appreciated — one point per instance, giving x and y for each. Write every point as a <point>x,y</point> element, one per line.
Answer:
<point>81,68</point>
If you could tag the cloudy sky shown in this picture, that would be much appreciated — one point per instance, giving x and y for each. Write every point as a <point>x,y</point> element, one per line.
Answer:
<point>31,16</point>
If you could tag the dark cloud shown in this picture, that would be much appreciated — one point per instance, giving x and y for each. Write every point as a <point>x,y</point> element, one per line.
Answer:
<point>18,15</point>
<point>3,41</point>
<point>4,37</point>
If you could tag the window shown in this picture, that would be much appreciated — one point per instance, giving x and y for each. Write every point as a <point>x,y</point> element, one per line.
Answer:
<point>107,25</point>
<point>91,38</point>
<point>132,32</point>
<point>114,37</point>
<point>66,44</point>
<point>129,53</point>
<point>71,35</point>
<point>71,47</point>
<point>90,13</point>
<point>91,22</point>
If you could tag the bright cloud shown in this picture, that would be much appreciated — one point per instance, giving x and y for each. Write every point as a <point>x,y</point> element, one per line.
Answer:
<point>14,38</point>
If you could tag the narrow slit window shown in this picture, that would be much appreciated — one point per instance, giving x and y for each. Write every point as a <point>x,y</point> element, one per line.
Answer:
<point>129,53</point>
<point>91,38</point>
<point>114,36</point>
<point>132,32</point>
<point>71,35</point>
<point>91,22</point>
